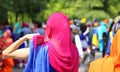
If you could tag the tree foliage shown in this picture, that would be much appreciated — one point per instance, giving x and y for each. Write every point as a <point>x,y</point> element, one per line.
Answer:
<point>24,10</point>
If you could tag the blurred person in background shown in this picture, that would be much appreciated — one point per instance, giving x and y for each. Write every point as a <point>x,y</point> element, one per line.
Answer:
<point>86,44</point>
<point>1,31</point>
<point>32,25</point>
<point>39,29</point>
<point>85,31</point>
<point>95,35</point>
<point>77,41</point>
<point>25,29</point>
<point>102,37</point>
<point>7,63</point>
<point>17,30</point>
<point>1,49</point>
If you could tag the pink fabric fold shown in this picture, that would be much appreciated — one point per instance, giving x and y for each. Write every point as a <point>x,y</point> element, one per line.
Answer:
<point>37,40</point>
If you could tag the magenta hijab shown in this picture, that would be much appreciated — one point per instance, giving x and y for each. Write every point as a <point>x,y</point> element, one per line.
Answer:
<point>7,33</point>
<point>63,54</point>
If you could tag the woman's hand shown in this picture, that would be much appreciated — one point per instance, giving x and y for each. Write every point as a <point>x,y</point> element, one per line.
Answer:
<point>30,36</point>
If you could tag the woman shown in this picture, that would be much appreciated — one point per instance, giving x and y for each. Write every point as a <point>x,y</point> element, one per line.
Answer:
<point>7,64</point>
<point>101,31</point>
<point>76,40</point>
<point>110,63</point>
<point>54,52</point>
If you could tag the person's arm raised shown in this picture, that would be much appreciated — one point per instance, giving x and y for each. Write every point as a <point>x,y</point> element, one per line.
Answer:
<point>13,52</point>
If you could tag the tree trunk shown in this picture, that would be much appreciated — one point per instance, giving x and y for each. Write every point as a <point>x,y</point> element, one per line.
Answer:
<point>22,17</point>
<point>16,17</point>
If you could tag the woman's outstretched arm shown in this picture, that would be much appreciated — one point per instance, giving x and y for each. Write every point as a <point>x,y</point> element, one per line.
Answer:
<point>13,52</point>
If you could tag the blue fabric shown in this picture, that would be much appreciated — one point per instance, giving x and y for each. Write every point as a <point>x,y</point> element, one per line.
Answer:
<point>89,40</point>
<point>0,33</point>
<point>95,30</point>
<point>17,31</point>
<point>38,60</point>
<point>29,66</point>
<point>22,46</point>
<point>26,30</point>
<point>40,31</point>
<point>101,45</point>
<point>102,29</point>
<point>85,37</point>
<point>17,28</point>
<point>109,44</point>
<point>84,42</point>
<point>82,37</point>
<point>108,48</point>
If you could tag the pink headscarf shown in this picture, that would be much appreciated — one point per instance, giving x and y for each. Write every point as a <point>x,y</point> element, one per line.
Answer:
<point>25,24</point>
<point>63,54</point>
<point>7,33</point>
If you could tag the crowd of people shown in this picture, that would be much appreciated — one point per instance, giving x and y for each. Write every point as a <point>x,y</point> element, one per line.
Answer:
<point>91,37</point>
<point>61,46</point>
<point>8,35</point>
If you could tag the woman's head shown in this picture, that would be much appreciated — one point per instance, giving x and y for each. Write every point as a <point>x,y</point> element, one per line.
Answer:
<point>7,33</point>
<point>25,24</point>
<point>57,24</point>
<point>96,24</point>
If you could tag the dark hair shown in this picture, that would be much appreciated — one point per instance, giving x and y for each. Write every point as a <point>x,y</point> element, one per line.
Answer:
<point>34,22</point>
<point>111,27</point>
<point>39,24</point>
<point>83,28</point>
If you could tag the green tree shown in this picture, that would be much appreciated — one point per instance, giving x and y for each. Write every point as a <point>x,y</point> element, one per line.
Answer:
<point>4,8</point>
<point>84,8</point>
<point>114,7</point>
<point>24,10</point>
